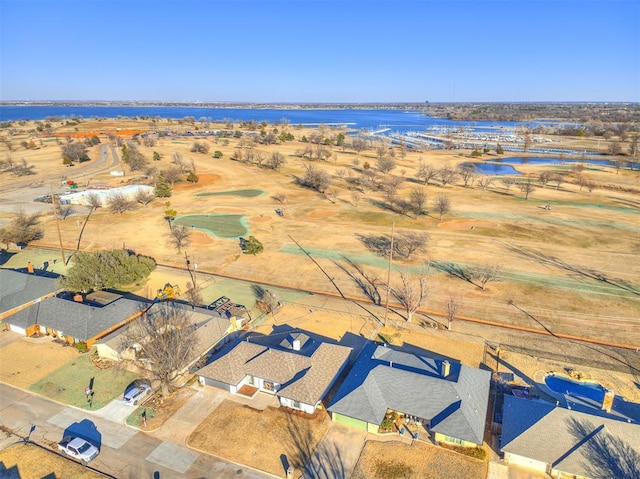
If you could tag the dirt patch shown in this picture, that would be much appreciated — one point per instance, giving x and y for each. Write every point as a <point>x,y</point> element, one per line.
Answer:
<point>204,179</point>
<point>200,238</point>
<point>259,438</point>
<point>23,363</point>
<point>424,461</point>
<point>321,214</point>
<point>29,460</point>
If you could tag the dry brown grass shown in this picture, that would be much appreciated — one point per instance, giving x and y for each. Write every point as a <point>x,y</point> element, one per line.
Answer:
<point>549,255</point>
<point>259,438</point>
<point>31,461</point>
<point>424,461</point>
<point>23,362</point>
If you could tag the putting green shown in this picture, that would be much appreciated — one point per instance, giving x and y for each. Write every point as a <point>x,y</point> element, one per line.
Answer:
<point>241,193</point>
<point>220,225</point>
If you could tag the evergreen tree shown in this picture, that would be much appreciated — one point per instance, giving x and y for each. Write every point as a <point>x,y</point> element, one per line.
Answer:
<point>163,188</point>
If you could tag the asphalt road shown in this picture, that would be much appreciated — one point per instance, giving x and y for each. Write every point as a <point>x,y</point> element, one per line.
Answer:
<point>22,193</point>
<point>125,453</point>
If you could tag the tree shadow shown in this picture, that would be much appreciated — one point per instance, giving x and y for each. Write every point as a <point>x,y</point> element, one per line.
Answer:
<point>378,244</point>
<point>321,460</point>
<point>452,269</point>
<point>606,455</point>
<point>549,260</point>
<point>368,284</point>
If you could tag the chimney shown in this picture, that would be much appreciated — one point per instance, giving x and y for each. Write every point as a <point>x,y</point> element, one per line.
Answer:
<point>607,400</point>
<point>78,298</point>
<point>296,344</point>
<point>446,368</point>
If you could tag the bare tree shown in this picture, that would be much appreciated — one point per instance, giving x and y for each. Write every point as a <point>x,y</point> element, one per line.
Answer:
<point>468,174</point>
<point>119,203</point>
<point>410,243</point>
<point>172,174</point>
<point>64,211</point>
<point>447,175</point>
<point>485,273</point>
<point>177,160</point>
<point>316,178</point>
<point>527,188</point>
<point>545,177</point>
<point>485,181</point>
<point>418,200</point>
<point>411,292</point>
<point>180,237</point>
<point>442,205</point>
<point>275,161</point>
<point>22,229</point>
<point>332,195</point>
<point>385,164</point>
<point>454,304</point>
<point>359,144</point>
<point>144,197</point>
<point>164,337</point>
<point>591,185</point>
<point>508,183</point>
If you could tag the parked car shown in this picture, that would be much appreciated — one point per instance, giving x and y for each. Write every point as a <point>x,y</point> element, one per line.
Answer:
<point>78,448</point>
<point>136,392</point>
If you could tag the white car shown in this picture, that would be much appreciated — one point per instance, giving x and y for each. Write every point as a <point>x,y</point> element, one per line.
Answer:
<point>78,448</point>
<point>136,393</point>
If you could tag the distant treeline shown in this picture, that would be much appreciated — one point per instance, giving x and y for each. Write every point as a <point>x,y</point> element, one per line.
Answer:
<point>583,113</point>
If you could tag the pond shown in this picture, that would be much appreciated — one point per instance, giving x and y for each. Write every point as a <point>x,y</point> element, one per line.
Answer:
<point>564,385</point>
<point>492,169</point>
<point>220,225</point>
<point>516,160</point>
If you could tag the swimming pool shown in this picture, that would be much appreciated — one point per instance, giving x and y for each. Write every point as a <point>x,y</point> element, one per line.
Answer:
<point>583,389</point>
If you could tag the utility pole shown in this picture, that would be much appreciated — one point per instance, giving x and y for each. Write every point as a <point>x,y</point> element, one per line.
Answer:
<point>55,215</point>
<point>386,306</point>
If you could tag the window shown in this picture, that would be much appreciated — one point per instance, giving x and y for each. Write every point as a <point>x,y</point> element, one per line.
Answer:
<point>296,404</point>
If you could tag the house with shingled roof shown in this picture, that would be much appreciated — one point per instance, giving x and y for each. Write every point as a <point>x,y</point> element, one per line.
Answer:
<point>76,322</point>
<point>447,399</point>
<point>566,443</point>
<point>300,381</point>
<point>20,290</point>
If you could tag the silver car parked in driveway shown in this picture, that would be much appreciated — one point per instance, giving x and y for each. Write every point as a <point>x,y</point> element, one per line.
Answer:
<point>136,392</point>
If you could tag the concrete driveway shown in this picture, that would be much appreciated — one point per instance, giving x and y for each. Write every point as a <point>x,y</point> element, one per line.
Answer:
<point>337,454</point>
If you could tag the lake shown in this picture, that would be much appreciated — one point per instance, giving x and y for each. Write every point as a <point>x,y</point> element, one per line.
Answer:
<point>492,169</point>
<point>395,120</point>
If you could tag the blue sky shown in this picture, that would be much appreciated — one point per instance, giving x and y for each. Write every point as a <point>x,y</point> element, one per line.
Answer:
<point>320,51</point>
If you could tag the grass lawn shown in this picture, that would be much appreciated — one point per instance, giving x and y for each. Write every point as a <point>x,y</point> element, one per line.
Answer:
<point>424,461</point>
<point>67,384</point>
<point>29,460</point>
<point>257,438</point>
<point>223,226</point>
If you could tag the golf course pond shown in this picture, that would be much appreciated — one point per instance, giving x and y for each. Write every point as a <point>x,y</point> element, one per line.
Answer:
<point>220,225</point>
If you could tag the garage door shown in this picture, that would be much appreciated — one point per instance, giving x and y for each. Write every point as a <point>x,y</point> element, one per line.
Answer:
<point>349,421</point>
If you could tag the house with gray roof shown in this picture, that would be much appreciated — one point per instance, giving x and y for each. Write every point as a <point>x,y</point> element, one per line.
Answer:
<point>447,399</point>
<point>299,381</point>
<point>76,322</point>
<point>567,443</point>
<point>210,329</point>
<point>20,290</point>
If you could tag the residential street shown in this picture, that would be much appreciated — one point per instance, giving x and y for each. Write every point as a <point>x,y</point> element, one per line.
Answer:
<point>125,453</point>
